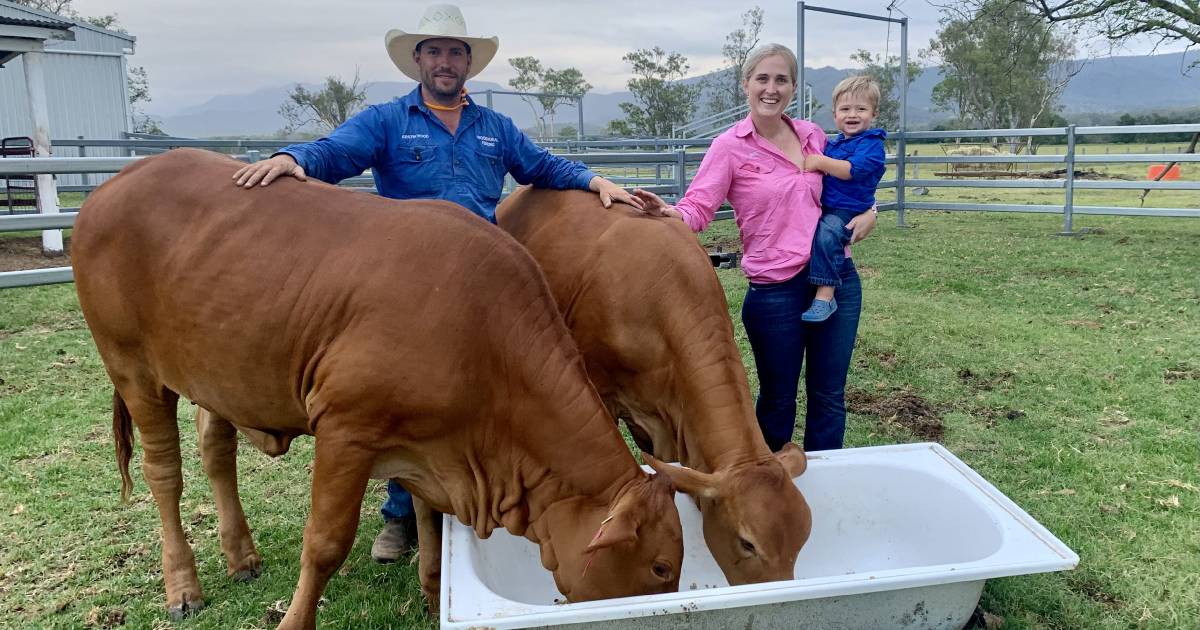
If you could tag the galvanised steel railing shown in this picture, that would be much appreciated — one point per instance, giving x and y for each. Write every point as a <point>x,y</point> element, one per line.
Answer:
<point>672,175</point>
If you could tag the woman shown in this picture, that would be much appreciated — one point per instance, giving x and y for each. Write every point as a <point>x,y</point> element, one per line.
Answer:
<point>758,165</point>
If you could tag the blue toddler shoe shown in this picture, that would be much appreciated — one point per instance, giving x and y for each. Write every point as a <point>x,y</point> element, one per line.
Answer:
<point>819,311</point>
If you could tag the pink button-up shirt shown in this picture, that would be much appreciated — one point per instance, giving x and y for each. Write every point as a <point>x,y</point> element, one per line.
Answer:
<point>777,205</point>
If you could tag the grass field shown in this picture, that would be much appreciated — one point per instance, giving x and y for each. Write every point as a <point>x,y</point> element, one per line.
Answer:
<point>1064,370</point>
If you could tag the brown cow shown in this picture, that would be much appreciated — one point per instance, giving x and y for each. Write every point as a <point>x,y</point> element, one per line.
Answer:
<point>650,317</point>
<point>411,339</point>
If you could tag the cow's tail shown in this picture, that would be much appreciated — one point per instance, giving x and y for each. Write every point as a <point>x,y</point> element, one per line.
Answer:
<point>123,438</point>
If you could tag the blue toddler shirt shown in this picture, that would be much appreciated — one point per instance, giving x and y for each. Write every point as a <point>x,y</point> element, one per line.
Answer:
<point>865,152</point>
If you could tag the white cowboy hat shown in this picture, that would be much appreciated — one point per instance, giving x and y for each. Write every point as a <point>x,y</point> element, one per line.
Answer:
<point>440,20</point>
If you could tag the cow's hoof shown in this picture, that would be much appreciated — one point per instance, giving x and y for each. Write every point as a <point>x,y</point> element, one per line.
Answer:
<point>246,575</point>
<point>182,610</point>
<point>250,569</point>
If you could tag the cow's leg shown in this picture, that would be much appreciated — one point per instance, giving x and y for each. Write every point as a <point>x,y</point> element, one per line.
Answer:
<point>429,539</point>
<point>341,470</point>
<point>153,410</point>
<point>218,449</point>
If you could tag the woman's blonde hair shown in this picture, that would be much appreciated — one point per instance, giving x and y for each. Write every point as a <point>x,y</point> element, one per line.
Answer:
<point>859,85</point>
<point>769,50</point>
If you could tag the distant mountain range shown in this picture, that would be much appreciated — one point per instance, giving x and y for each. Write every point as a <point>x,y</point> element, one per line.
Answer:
<point>1108,85</point>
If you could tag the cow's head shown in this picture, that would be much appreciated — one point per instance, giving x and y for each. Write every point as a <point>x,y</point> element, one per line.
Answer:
<point>755,519</point>
<point>632,547</point>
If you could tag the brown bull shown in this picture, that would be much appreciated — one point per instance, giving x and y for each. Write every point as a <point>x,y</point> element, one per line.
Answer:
<point>650,317</point>
<point>411,339</point>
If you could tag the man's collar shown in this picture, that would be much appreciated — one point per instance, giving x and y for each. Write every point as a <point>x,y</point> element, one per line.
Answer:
<point>413,99</point>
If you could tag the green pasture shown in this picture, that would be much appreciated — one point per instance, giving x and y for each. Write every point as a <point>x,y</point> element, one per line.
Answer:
<point>1064,370</point>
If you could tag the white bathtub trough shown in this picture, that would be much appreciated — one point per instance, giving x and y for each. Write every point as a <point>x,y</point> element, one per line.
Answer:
<point>903,537</point>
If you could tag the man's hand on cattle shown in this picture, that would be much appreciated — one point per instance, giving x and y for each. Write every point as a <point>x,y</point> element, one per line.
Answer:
<point>862,225</point>
<point>610,192</point>
<point>264,172</point>
<point>653,205</point>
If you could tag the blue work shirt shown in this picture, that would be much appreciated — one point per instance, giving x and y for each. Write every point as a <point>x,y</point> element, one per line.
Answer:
<point>412,155</point>
<point>866,155</point>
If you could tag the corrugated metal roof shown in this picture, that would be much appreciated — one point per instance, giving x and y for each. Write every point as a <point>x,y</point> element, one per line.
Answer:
<point>6,6</point>
<point>12,21</point>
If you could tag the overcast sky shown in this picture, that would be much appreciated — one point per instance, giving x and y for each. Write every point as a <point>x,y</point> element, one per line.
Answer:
<point>195,49</point>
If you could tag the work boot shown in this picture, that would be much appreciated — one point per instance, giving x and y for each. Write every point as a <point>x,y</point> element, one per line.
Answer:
<point>398,537</point>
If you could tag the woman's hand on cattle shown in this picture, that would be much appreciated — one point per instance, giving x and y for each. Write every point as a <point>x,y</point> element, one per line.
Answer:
<point>264,172</point>
<point>653,205</point>
<point>610,192</point>
<point>862,225</point>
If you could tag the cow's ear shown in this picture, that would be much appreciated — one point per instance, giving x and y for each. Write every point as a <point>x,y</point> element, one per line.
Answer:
<point>794,461</point>
<point>614,530</point>
<point>690,482</point>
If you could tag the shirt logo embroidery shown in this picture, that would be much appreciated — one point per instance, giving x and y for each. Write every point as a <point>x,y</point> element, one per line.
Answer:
<point>415,136</point>
<point>487,141</point>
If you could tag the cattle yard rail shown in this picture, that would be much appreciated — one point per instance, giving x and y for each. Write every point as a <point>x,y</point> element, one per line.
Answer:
<point>669,165</point>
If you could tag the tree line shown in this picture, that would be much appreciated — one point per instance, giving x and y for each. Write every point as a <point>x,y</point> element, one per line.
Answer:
<point>1002,64</point>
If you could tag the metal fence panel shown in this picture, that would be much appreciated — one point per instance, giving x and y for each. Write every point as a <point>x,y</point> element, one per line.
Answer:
<point>670,160</point>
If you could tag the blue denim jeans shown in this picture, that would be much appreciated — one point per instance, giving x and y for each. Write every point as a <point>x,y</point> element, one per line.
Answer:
<point>779,339</point>
<point>399,502</point>
<point>829,250</point>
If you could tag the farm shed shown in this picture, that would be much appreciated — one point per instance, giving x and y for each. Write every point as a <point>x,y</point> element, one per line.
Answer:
<point>84,78</point>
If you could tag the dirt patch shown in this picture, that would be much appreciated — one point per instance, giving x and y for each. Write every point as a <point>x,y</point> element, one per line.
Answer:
<point>101,618</point>
<point>134,552</point>
<point>985,382</point>
<point>902,407</point>
<point>886,359</point>
<point>25,252</point>
<point>995,415</point>
<point>1181,372</point>
<point>1095,591</point>
<point>867,272</point>
<point>275,612</point>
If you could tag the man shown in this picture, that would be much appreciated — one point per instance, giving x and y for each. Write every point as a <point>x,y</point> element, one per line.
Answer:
<point>434,143</point>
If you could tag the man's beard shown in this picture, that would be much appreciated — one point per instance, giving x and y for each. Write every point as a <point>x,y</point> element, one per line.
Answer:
<point>430,84</point>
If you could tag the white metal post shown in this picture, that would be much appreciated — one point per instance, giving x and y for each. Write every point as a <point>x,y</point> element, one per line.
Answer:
<point>47,190</point>
<point>901,149</point>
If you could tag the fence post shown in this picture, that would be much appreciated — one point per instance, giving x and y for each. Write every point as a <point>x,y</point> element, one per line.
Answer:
<point>579,110</point>
<point>1069,201</point>
<point>489,99</point>
<point>87,177</point>
<point>252,156</point>
<point>657,166</point>
<point>680,172</point>
<point>900,168</point>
